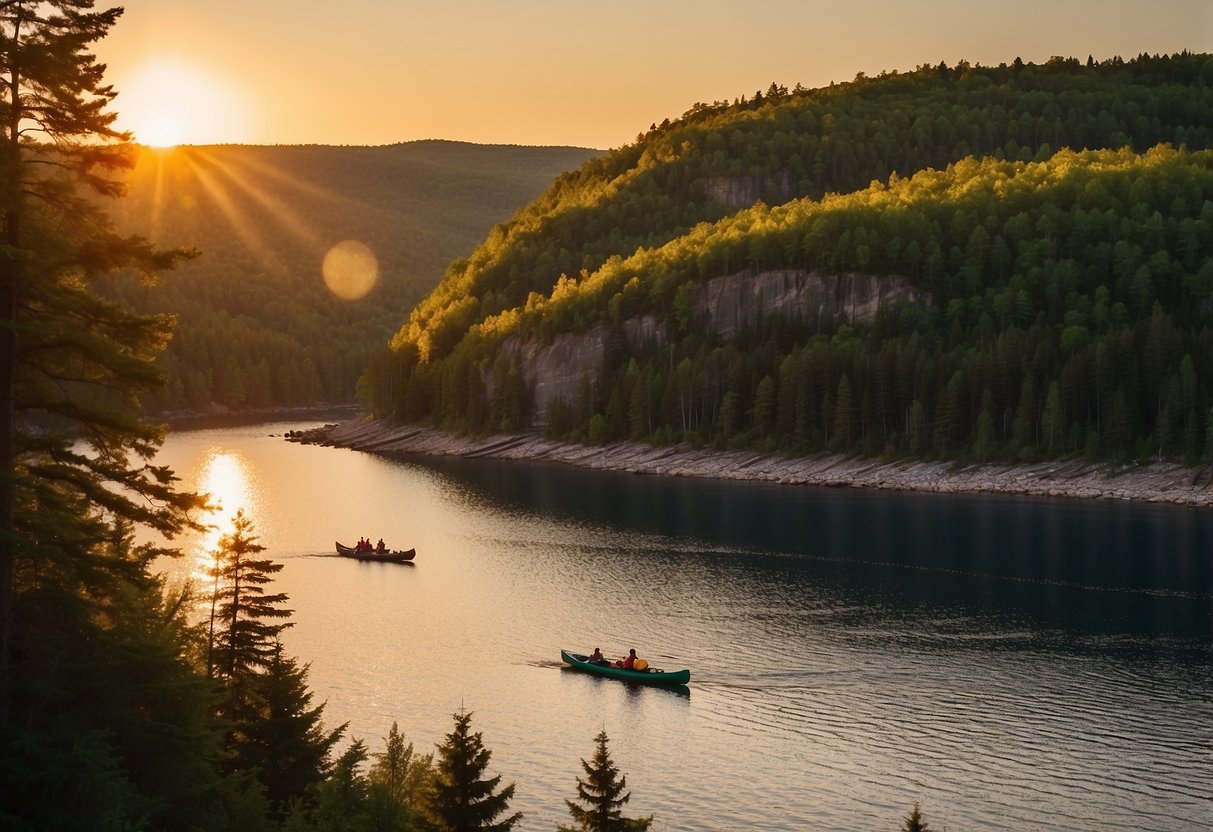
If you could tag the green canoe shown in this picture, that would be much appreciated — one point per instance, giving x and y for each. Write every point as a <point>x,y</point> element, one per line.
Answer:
<point>643,677</point>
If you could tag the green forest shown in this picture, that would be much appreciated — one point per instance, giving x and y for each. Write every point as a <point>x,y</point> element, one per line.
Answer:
<point>1054,221</point>
<point>256,327</point>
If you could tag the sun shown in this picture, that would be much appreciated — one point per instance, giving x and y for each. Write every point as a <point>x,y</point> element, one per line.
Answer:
<point>165,104</point>
<point>161,130</point>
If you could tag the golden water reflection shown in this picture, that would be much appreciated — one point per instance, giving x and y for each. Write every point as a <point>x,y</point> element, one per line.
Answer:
<point>227,478</point>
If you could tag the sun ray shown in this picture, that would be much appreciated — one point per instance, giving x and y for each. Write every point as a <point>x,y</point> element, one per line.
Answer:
<point>157,206</point>
<point>255,200</point>
<point>301,186</point>
<point>235,217</point>
<point>349,268</point>
<point>277,209</point>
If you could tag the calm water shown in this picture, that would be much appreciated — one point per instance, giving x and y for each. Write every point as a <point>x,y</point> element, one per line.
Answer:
<point>1012,664</point>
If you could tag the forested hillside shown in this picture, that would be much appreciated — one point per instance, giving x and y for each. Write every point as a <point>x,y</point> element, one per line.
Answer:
<point>256,325</point>
<point>1056,301</point>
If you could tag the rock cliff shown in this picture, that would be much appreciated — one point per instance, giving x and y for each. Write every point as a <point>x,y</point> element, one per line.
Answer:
<point>738,192</point>
<point>724,305</point>
<point>728,304</point>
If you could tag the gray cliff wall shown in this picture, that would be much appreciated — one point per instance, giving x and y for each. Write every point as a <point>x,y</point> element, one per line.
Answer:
<point>724,305</point>
<point>731,303</point>
<point>743,191</point>
<point>554,371</point>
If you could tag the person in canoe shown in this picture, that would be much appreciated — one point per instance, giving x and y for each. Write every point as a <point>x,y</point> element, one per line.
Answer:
<point>380,547</point>
<point>596,657</point>
<point>628,661</point>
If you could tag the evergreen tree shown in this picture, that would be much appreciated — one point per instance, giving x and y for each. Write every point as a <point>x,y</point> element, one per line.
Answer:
<point>104,723</point>
<point>115,721</point>
<point>76,361</point>
<point>274,730</point>
<point>243,639</point>
<point>603,794</point>
<point>397,781</point>
<point>461,801</point>
<point>341,804</point>
<point>285,742</point>
<point>915,822</point>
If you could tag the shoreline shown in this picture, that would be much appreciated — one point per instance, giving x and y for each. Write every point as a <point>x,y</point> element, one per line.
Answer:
<point>224,418</point>
<point>1159,482</point>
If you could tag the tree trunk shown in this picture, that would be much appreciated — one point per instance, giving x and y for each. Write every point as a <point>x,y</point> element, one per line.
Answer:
<point>10,274</point>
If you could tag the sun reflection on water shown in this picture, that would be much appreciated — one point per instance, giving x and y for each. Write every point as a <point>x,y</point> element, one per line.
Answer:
<point>227,478</point>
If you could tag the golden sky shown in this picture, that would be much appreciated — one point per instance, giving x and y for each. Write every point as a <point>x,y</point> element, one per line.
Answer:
<point>558,72</point>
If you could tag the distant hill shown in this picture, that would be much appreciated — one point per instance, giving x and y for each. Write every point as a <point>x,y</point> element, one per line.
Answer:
<point>257,326</point>
<point>933,263</point>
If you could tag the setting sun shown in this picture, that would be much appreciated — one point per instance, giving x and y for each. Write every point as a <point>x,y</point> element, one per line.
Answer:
<point>168,104</point>
<point>163,130</point>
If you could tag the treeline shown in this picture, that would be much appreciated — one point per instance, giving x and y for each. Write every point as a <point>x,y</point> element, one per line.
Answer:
<point>783,145</point>
<point>1068,314</point>
<point>256,325</point>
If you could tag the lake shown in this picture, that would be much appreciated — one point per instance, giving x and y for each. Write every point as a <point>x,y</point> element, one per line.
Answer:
<point>1009,663</point>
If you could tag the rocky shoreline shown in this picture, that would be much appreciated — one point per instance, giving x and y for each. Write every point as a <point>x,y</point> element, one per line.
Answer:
<point>1155,482</point>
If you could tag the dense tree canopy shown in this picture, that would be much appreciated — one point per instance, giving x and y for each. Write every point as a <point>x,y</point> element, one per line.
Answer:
<point>781,145</point>
<point>1061,295</point>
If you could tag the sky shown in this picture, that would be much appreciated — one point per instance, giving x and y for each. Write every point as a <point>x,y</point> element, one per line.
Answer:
<point>558,72</point>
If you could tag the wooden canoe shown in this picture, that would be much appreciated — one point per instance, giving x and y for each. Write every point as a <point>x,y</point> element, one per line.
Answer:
<point>376,557</point>
<point>642,677</point>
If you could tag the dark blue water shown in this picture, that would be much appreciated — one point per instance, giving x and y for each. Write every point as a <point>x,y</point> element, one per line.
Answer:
<point>1088,569</point>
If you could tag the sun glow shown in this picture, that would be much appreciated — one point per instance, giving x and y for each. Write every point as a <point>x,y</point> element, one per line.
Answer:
<point>225,477</point>
<point>168,104</point>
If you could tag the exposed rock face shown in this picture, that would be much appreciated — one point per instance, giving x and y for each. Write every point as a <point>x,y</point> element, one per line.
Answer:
<point>743,191</point>
<point>554,371</point>
<point>724,305</point>
<point>728,304</point>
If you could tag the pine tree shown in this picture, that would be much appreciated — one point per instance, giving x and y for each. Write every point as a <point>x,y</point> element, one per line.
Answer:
<point>603,793</point>
<point>104,723</point>
<point>461,801</point>
<point>114,722</point>
<point>76,361</point>
<point>275,732</point>
<point>243,641</point>
<point>284,741</point>
<point>915,823</point>
<point>397,781</point>
<point>341,798</point>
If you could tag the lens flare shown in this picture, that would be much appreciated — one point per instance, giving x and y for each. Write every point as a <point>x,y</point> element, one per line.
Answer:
<point>350,270</point>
